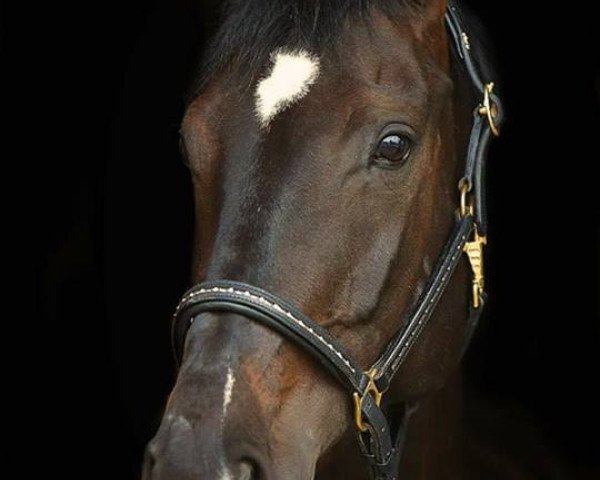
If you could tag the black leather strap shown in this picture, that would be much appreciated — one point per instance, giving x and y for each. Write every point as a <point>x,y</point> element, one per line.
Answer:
<point>380,468</point>
<point>462,43</point>
<point>479,180</point>
<point>480,132</point>
<point>390,361</point>
<point>274,312</point>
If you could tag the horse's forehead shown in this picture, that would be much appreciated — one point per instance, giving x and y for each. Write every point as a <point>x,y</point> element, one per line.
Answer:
<point>291,73</point>
<point>366,59</point>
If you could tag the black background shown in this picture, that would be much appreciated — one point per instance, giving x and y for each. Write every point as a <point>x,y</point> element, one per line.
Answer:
<point>102,203</point>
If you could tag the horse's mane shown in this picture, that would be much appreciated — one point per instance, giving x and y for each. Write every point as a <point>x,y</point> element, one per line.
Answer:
<point>249,30</point>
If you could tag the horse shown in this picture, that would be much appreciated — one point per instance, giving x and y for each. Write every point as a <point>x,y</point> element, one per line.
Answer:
<point>336,218</point>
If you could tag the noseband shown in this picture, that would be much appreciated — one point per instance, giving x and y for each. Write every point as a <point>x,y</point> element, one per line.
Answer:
<point>380,436</point>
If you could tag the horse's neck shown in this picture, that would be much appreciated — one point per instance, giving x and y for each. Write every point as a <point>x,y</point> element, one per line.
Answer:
<point>433,449</point>
<point>435,444</point>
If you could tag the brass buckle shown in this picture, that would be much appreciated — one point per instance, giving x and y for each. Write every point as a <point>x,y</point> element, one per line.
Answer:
<point>358,399</point>
<point>466,206</point>
<point>474,251</point>
<point>488,108</point>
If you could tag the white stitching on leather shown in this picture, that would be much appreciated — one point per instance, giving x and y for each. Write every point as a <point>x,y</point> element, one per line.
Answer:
<point>409,341</point>
<point>310,330</point>
<point>274,306</point>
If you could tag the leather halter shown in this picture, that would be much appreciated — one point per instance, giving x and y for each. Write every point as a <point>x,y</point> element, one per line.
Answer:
<point>380,436</point>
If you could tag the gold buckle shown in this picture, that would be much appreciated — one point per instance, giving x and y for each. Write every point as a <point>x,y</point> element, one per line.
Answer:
<point>466,206</point>
<point>358,399</point>
<point>488,108</point>
<point>474,251</point>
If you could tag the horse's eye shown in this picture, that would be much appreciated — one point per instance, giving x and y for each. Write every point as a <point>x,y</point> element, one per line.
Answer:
<point>393,150</point>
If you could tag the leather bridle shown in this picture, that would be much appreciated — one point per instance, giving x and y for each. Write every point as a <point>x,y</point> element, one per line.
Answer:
<point>380,436</point>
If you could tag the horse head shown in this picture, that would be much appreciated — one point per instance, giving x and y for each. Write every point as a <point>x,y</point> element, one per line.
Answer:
<point>325,142</point>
